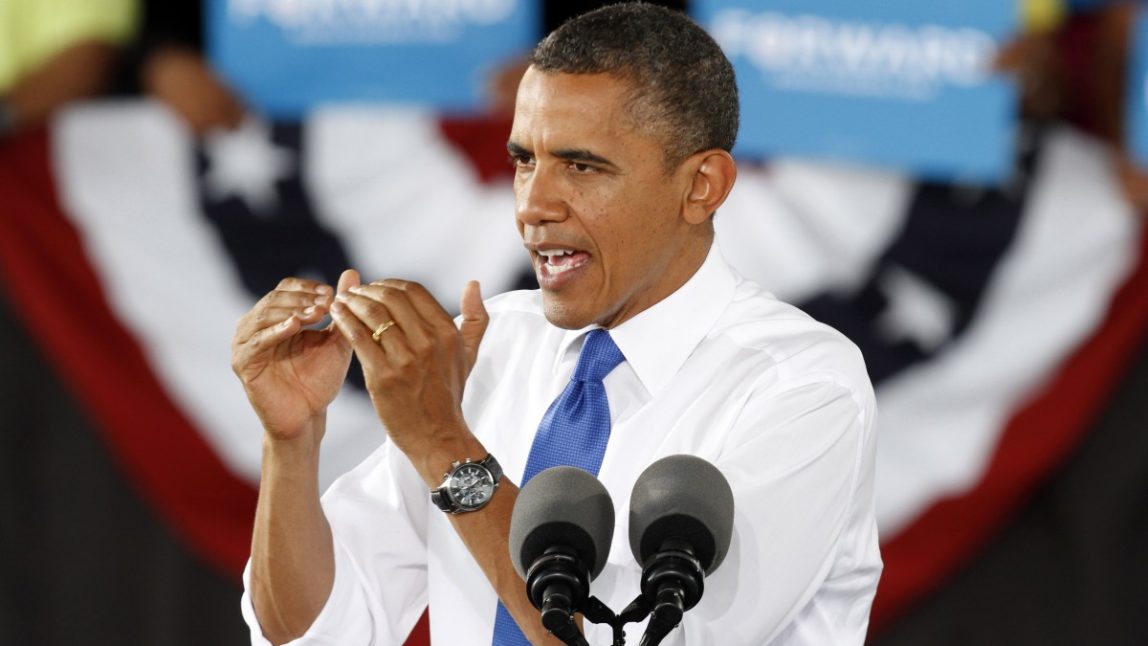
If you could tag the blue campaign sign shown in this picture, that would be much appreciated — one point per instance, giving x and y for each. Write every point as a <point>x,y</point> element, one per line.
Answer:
<point>1136,94</point>
<point>285,56</point>
<point>904,84</point>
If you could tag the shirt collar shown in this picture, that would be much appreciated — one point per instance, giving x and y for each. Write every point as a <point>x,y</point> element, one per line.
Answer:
<point>657,341</point>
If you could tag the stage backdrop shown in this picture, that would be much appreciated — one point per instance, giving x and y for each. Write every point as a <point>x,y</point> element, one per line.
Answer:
<point>995,322</point>
<point>868,80</point>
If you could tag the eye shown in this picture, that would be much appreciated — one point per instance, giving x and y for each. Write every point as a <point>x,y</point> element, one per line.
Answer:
<point>521,160</point>
<point>581,168</point>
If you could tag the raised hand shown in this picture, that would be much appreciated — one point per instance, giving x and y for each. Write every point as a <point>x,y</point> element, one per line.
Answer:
<point>186,83</point>
<point>415,359</point>
<point>292,373</point>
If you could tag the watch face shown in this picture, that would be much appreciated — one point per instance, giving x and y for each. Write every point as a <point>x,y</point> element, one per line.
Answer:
<point>471,486</point>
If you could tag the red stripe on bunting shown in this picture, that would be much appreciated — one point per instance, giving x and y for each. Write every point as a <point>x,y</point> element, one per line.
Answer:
<point>1037,440</point>
<point>53,288</point>
<point>482,140</point>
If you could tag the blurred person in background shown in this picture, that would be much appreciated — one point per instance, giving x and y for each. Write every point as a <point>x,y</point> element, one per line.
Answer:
<point>168,62</point>
<point>1073,68</point>
<point>1068,563</point>
<point>53,52</point>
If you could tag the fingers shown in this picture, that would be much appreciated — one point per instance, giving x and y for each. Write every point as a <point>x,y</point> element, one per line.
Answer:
<point>474,319</point>
<point>420,300</point>
<point>306,304</point>
<point>305,300</point>
<point>417,369</point>
<point>409,304</point>
<point>374,315</point>
<point>348,279</point>
<point>353,330</point>
<point>357,317</point>
<point>374,308</point>
<point>294,304</point>
<point>420,323</point>
<point>246,353</point>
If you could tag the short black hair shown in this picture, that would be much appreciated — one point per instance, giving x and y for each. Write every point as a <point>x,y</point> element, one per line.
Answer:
<point>683,85</point>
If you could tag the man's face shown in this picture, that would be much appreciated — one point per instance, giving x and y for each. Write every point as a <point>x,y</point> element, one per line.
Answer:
<point>595,206</point>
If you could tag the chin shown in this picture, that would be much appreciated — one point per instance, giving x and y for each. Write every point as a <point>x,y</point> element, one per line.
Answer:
<point>562,315</point>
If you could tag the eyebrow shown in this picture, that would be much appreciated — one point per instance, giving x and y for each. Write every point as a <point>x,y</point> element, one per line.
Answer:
<point>577,155</point>
<point>582,155</point>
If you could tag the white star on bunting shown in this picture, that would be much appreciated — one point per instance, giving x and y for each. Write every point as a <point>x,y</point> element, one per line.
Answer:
<point>245,162</point>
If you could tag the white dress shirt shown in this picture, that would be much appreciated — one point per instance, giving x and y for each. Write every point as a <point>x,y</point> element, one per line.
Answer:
<point>720,369</point>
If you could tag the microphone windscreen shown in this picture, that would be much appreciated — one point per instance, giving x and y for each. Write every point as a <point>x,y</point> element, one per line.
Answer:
<point>562,506</point>
<point>682,498</point>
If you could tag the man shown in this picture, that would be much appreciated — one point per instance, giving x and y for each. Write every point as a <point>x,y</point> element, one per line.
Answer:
<point>168,62</point>
<point>621,138</point>
<point>54,52</point>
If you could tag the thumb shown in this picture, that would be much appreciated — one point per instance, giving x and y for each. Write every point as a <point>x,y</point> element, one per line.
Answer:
<point>349,278</point>
<point>474,319</point>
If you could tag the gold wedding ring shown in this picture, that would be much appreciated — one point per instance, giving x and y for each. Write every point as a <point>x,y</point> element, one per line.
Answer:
<point>382,328</point>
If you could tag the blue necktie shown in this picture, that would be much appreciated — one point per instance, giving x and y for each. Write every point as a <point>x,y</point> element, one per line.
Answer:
<point>573,432</point>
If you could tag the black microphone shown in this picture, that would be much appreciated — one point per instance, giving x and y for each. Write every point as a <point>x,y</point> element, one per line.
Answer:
<point>681,522</point>
<point>560,534</point>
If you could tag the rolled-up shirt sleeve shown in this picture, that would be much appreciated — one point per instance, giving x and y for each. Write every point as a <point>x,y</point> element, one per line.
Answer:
<point>377,514</point>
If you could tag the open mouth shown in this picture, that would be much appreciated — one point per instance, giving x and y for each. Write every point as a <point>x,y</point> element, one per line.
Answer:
<point>557,261</point>
<point>556,266</point>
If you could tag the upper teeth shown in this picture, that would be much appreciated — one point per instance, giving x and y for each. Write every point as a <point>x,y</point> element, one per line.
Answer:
<point>550,253</point>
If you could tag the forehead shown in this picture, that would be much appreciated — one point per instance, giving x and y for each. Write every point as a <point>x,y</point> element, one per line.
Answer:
<point>556,109</point>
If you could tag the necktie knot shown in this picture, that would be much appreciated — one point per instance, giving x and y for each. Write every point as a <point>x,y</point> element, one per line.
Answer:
<point>598,357</point>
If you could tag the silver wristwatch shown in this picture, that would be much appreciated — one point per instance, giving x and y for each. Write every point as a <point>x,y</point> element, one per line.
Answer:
<point>468,486</point>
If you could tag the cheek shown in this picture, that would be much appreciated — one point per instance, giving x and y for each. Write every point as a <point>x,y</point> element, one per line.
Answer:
<point>627,226</point>
<point>623,239</point>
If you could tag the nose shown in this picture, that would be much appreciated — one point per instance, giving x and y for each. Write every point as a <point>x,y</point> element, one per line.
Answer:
<point>538,197</point>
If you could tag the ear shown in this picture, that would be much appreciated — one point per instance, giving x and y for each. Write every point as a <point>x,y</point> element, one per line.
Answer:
<point>714,172</point>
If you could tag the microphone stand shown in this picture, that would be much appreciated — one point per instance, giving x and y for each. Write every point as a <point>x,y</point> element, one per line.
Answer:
<point>597,612</point>
<point>553,579</point>
<point>672,582</point>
